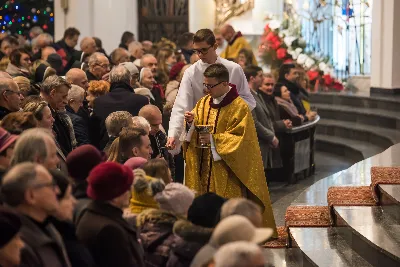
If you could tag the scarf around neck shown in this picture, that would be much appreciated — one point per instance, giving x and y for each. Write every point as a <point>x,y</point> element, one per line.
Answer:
<point>288,106</point>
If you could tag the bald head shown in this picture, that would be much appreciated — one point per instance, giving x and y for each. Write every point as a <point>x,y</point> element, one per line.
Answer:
<point>78,77</point>
<point>88,45</point>
<point>47,51</point>
<point>153,115</point>
<point>149,61</point>
<point>227,32</point>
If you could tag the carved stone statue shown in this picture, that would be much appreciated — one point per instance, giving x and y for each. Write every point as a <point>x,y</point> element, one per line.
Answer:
<point>226,9</point>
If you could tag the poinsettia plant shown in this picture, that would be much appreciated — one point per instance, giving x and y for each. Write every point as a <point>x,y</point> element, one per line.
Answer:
<point>282,43</point>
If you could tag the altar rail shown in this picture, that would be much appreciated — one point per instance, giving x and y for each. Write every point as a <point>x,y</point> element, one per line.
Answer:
<point>297,147</point>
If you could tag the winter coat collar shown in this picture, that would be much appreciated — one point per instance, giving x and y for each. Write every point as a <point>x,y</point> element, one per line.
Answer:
<point>125,86</point>
<point>191,232</point>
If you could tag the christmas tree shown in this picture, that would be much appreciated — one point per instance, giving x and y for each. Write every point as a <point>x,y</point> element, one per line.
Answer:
<point>18,17</point>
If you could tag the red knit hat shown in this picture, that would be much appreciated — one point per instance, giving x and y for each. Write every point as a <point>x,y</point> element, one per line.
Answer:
<point>82,160</point>
<point>109,180</point>
<point>175,70</point>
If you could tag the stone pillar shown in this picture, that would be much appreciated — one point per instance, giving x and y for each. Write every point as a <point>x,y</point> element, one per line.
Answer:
<point>105,19</point>
<point>201,15</point>
<point>385,58</point>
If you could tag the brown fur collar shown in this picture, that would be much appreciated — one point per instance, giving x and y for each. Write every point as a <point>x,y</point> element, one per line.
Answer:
<point>191,232</point>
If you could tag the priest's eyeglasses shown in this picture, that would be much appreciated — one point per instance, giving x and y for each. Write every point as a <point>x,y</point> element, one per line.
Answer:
<point>202,51</point>
<point>210,86</point>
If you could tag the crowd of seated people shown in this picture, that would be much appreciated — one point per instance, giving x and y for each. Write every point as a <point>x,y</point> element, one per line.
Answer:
<point>85,176</point>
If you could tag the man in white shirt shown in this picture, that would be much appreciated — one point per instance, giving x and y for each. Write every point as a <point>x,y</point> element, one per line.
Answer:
<point>192,89</point>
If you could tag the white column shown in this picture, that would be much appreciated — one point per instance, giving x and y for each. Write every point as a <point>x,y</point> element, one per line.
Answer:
<point>105,19</point>
<point>385,58</point>
<point>201,15</point>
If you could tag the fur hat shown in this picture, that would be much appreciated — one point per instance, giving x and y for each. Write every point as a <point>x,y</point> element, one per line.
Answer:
<point>109,180</point>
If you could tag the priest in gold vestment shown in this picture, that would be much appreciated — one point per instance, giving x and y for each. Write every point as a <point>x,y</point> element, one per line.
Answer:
<point>232,165</point>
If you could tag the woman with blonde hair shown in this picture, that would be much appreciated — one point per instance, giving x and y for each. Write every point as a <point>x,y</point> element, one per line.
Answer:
<point>166,59</point>
<point>26,87</point>
<point>96,89</point>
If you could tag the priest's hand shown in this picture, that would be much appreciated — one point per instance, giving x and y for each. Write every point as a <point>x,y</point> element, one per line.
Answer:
<point>189,117</point>
<point>205,138</point>
<point>171,144</point>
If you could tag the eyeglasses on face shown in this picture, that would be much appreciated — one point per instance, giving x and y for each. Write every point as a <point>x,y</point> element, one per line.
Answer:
<point>202,51</point>
<point>210,86</point>
<point>13,92</point>
<point>52,184</point>
<point>104,66</point>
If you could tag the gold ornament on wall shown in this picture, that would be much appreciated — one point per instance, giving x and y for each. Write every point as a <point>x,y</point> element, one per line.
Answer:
<point>227,9</point>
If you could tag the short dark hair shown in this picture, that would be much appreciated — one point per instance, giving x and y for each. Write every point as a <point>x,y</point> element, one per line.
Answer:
<point>217,71</point>
<point>204,35</point>
<point>71,32</point>
<point>277,89</point>
<point>251,71</point>
<point>98,42</point>
<point>126,36</point>
<point>184,39</point>
<point>285,69</point>
<point>16,55</point>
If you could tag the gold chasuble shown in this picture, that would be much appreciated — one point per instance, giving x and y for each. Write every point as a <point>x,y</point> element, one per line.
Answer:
<point>239,172</point>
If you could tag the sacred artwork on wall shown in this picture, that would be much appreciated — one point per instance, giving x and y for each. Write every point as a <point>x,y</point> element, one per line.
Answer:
<point>163,18</point>
<point>227,9</point>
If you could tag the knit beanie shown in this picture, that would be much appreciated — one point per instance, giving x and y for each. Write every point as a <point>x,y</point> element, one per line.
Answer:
<point>10,224</point>
<point>82,160</point>
<point>176,198</point>
<point>109,180</point>
<point>175,70</point>
<point>205,210</point>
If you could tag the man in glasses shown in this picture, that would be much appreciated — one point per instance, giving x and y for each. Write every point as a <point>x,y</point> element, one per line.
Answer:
<point>192,89</point>
<point>10,97</point>
<point>98,67</point>
<point>229,161</point>
<point>30,190</point>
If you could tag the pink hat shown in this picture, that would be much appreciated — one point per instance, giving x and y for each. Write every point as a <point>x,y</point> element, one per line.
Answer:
<point>135,162</point>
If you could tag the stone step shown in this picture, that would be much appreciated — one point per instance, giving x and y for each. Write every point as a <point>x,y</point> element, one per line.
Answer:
<point>354,150</point>
<point>325,247</point>
<point>367,133</point>
<point>285,257</point>
<point>390,103</point>
<point>369,116</point>
<point>390,194</point>
<point>373,232</point>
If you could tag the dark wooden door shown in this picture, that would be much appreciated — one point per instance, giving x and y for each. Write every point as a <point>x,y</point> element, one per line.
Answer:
<point>163,18</point>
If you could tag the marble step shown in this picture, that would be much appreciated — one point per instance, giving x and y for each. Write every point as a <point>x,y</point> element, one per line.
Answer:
<point>390,194</point>
<point>369,116</point>
<point>390,103</point>
<point>352,149</point>
<point>373,232</point>
<point>325,247</point>
<point>285,257</point>
<point>372,134</point>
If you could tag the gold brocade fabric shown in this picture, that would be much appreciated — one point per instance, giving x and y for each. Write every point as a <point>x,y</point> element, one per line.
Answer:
<point>240,173</point>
